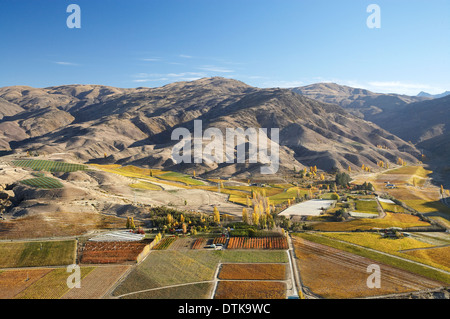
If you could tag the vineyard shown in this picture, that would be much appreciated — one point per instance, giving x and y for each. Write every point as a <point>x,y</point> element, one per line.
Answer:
<point>258,243</point>
<point>199,243</point>
<point>111,252</point>
<point>251,290</point>
<point>165,243</point>
<point>220,240</point>
<point>253,272</point>
<point>50,166</point>
<point>43,182</point>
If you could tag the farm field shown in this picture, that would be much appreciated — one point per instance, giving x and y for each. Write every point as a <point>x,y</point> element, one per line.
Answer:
<point>366,206</point>
<point>324,269</point>
<point>37,253</point>
<point>253,272</point>
<point>12,282</point>
<point>257,243</point>
<point>391,220</point>
<point>182,244</point>
<point>439,256</point>
<point>250,290</point>
<point>97,283</point>
<point>51,286</point>
<point>171,267</point>
<point>165,243</point>
<point>190,291</point>
<point>43,182</point>
<point>49,166</point>
<point>395,246</point>
<point>390,260</point>
<point>111,252</point>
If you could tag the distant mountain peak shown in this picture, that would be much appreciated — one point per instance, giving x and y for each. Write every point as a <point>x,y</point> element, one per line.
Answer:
<point>434,96</point>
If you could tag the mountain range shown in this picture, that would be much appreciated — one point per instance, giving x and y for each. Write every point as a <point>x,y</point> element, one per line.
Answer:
<point>103,124</point>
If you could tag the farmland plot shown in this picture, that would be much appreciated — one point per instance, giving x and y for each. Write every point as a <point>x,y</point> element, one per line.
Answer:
<point>251,290</point>
<point>253,272</point>
<point>111,252</point>
<point>324,270</point>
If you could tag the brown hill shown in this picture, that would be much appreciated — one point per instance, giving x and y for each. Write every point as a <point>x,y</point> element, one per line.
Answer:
<point>135,125</point>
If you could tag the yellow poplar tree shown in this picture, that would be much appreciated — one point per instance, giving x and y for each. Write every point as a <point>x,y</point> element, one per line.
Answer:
<point>216,215</point>
<point>244,215</point>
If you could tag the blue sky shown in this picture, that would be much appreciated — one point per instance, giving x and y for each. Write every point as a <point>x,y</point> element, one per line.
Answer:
<point>265,43</point>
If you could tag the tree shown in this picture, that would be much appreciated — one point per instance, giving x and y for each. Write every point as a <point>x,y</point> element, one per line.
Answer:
<point>194,173</point>
<point>184,227</point>
<point>216,215</point>
<point>342,179</point>
<point>244,215</point>
<point>132,225</point>
<point>334,196</point>
<point>128,223</point>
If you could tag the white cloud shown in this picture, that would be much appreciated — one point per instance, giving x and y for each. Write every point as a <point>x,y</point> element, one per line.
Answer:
<point>281,84</point>
<point>218,69</point>
<point>151,59</point>
<point>64,63</point>
<point>402,87</point>
<point>185,56</point>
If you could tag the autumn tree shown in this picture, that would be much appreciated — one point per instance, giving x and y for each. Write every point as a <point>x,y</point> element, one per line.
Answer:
<point>244,215</point>
<point>216,215</point>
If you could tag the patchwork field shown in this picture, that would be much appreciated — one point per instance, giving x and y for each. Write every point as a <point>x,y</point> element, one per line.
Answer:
<point>171,267</point>
<point>53,285</point>
<point>253,272</point>
<point>257,243</point>
<point>250,290</point>
<point>49,166</point>
<point>112,252</point>
<point>43,182</point>
<point>97,283</point>
<point>390,220</point>
<point>324,269</point>
<point>392,260</point>
<point>37,253</point>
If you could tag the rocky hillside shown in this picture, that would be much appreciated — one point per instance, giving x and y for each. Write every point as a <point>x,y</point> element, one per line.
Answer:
<point>134,126</point>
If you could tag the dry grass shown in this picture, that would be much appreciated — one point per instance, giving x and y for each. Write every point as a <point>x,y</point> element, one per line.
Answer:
<point>59,224</point>
<point>253,271</point>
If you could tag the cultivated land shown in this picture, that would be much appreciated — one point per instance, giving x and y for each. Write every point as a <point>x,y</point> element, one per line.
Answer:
<point>324,269</point>
<point>255,264</point>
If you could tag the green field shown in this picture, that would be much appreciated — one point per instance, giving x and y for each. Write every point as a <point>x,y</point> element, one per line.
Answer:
<point>178,177</point>
<point>50,166</point>
<point>165,268</point>
<point>37,253</point>
<point>366,206</point>
<point>43,182</point>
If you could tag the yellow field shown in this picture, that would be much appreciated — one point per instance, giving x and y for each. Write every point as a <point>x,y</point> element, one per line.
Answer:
<point>146,185</point>
<point>375,241</point>
<point>391,220</point>
<point>52,286</point>
<point>440,256</point>
<point>436,257</point>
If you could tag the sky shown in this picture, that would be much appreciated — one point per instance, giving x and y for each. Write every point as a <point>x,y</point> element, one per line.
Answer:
<point>264,43</point>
